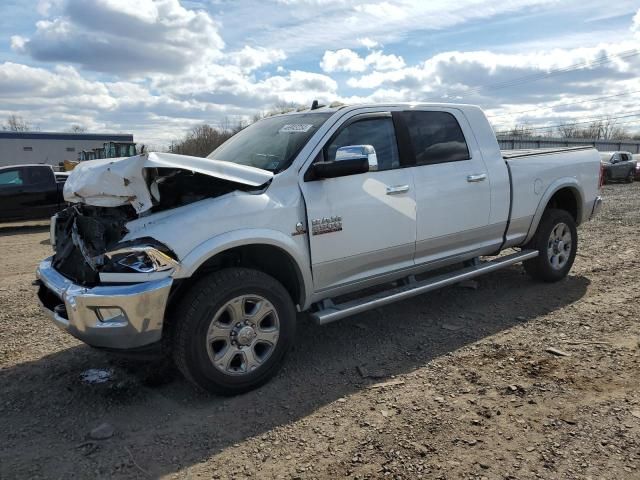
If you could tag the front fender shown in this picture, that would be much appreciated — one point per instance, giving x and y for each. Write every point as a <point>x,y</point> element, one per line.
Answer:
<point>552,189</point>
<point>295,247</point>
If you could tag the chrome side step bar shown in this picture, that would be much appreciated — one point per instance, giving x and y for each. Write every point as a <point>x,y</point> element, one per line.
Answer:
<point>332,312</point>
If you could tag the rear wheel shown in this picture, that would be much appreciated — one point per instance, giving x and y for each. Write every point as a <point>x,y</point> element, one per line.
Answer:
<point>557,242</point>
<point>632,175</point>
<point>235,329</point>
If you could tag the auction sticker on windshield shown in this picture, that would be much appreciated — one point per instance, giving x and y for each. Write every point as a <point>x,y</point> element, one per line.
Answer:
<point>296,128</point>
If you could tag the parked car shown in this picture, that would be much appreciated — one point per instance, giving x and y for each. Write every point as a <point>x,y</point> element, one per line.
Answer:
<point>211,258</point>
<point>618,166</point>
<point>30,192</point>
<point>636,158</point>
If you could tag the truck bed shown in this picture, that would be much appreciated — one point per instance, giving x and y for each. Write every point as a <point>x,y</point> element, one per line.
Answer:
<point>534,172</point>
<point>528,152</point>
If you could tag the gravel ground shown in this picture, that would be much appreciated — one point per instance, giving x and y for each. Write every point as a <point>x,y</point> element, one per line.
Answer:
<point>453,384</point>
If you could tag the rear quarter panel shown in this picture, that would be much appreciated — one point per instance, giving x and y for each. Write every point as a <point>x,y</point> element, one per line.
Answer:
<point>537,178</point>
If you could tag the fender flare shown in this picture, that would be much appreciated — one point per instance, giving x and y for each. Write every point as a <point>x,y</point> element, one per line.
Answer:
<point>565,182</point>
<point>240,238</point>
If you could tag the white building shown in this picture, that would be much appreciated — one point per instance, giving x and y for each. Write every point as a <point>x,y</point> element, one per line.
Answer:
<point>18,148</point>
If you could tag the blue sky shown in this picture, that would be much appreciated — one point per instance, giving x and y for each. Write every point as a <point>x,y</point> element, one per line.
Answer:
<point>158,67</point>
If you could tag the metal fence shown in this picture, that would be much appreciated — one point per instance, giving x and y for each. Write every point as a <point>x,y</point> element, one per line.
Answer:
<point>516,143</point>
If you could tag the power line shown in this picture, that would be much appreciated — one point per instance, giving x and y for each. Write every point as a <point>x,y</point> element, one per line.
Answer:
<point>542,75</point>
<point>595,119</point>
<point>564,104</point>
<point>506,134</point>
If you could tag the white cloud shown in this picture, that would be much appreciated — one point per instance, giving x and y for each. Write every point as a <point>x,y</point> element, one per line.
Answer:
<point>44,7</point>
<point>168,68</point>
<point>18,43</point>
<point>123,37</point>
<point>321,3</point>
<point>250,59</point>
<point>345,60</point>
<point>384,10</point>
<point>368,42</point>
<point>333,25</point>
<point>517,88</point>
<point>380,61</point>
<point>460,71</point>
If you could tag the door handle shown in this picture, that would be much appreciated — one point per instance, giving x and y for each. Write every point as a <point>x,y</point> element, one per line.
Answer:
<point>396,189</point>
<point>478,177</point>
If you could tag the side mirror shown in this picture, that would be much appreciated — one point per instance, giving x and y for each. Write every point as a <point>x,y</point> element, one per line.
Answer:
<point>350,160</point>
<point>359,152</point>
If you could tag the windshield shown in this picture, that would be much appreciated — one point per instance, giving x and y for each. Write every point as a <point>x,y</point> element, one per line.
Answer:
<point>272,143</point>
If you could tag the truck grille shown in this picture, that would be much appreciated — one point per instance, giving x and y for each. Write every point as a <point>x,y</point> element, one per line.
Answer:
<point>82,235</point>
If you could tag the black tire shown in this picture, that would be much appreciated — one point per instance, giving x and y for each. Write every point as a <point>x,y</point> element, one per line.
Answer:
<point>631,176</point>
<point>542,267</point>
<point>200,305</point>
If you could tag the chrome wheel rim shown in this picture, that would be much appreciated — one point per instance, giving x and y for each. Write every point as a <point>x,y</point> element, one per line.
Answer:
<point>559,246</point>
<point>242,334</point>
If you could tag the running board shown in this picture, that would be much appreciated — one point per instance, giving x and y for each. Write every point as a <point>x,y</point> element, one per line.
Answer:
<point>332,312</point>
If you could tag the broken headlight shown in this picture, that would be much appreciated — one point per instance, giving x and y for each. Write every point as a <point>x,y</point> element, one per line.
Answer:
<point>138,259</point>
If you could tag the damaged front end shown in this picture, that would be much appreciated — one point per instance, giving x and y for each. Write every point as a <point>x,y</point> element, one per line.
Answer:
<point>108,284</point>
<point>108,194</point>
<point>89,249</point>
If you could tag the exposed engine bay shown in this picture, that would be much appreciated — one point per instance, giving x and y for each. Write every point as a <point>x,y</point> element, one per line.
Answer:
<point>172,188</point>
<point>84,234</point>
<point>158,180</point>
<point>107,194</point>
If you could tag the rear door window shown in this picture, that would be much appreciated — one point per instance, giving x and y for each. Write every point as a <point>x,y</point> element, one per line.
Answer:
<point>436,137</point>
<point>38,175</point>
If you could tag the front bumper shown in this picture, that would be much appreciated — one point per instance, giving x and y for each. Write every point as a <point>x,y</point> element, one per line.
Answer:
<point>118,317</point>
<point>597,205</point>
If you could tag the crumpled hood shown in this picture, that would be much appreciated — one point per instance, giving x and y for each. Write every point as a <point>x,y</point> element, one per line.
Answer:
<point>113,182</point>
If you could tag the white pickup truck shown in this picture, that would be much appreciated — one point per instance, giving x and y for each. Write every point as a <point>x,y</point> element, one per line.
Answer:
<point>210,259</point>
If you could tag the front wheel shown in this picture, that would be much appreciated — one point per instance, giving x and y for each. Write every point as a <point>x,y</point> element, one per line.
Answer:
<point>232,330</point>
<point>557,242</point>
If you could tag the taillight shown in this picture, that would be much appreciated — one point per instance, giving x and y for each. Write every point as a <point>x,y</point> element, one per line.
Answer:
<point>601,179</point>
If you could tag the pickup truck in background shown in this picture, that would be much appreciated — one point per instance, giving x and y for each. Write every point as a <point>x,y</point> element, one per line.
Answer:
<point>618,166</point>
<point>209,259</point>
<point>30,192</point>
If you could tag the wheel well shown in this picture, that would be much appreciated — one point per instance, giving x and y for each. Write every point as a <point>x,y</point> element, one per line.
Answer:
<point>267,258</point>
<point>566,199</point>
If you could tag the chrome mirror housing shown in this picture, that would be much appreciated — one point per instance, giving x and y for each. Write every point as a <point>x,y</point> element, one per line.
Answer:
<point>358,152</point>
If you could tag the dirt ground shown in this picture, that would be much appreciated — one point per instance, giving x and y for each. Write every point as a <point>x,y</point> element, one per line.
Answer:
<point>453,384</point>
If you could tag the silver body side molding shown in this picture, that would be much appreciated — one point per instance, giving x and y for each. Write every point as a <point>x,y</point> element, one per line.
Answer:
<point>332,312</point>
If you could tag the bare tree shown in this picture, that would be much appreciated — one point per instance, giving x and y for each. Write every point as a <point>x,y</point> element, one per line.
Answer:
<point>521,131</point>
<point>277,108</point>
<point>282,106</point>
<point>202,140</point>
<point>598,130</point>
<point>16,123</point>
<point>77,128</point>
